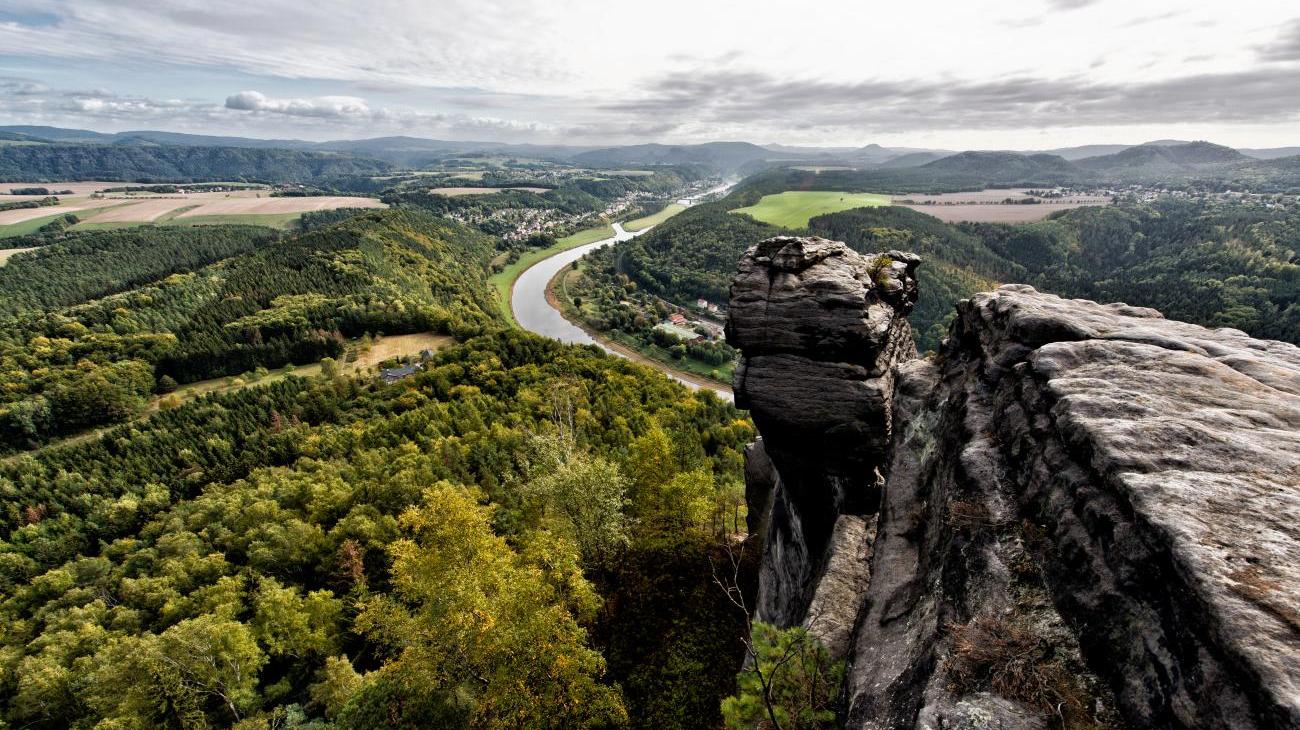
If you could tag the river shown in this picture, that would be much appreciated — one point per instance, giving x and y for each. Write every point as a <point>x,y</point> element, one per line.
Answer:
<point>535,314</point>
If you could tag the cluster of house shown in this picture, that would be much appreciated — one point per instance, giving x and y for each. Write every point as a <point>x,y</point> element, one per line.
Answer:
<point>689,330</point>
<point>708,306</point>
<point>1147,194</point>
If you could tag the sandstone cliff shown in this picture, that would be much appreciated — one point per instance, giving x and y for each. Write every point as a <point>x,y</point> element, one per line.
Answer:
<point>1077,514</point>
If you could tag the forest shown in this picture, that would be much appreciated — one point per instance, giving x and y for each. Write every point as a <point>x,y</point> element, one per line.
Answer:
<point>1216,264</point>
<point>175,163</point>
<point>262,300</point>
<point>523,533</point>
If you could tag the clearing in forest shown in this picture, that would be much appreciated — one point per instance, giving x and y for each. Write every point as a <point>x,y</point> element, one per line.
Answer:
<point>792,209</point>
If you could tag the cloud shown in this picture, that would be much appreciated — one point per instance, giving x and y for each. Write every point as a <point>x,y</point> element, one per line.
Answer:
<point>1070,4</point>
<point>15,86</point>
<point>1286,47</point>
<point>511,69</point>
<point>323,107</point>
<point>737,98</point>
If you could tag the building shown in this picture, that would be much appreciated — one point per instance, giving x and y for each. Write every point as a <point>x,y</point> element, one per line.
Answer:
<point>392,375</point>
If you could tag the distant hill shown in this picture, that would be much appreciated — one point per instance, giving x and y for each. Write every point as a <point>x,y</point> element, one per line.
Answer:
<point>418,151</point>
<point>725,156</point>
<point>911,159</point>
<point>1161,159</point>
<point>52,162</point>
<point>20,137</point>
<point>205,140</point>
<point>1083,151</point>
<point>1271,153</point>
<point>1005,166</point>
<point>58,134</point>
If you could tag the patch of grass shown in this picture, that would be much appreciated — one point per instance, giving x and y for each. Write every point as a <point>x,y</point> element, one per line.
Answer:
<point>503,281</point>
<point>792,209</point>
<point>281,221</point>
<point>669,211</point>
<point>27,227</point>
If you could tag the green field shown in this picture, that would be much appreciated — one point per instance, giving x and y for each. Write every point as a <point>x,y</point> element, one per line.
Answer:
<point>29,226</point>
<point>504,280</point>
<point>283,221</point>
<point>669,211</point>
<point>793,209</point>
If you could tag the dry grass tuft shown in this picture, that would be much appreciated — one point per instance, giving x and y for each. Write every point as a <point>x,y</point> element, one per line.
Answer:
<point>1008,657</point>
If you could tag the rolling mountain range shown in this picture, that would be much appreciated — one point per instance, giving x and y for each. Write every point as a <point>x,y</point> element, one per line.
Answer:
<point>30,151</point>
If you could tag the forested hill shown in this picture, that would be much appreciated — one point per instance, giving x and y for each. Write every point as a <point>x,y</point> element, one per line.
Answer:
<point>1228,265</point>
<point>174,163</point>
<point>518,534</point>
<point>247,299</point>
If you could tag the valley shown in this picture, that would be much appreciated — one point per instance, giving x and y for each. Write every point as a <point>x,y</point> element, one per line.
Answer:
<point>312,434</point>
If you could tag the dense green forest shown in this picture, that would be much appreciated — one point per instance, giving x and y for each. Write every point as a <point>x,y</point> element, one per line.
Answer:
<point>1220,265</point>
<point>174,163</point>
<point>1217,264</point>
<point>290,299</point>
<point>520,534</point>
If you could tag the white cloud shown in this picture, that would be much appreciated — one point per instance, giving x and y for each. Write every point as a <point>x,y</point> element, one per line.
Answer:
<point>322,106</point>
<point>591,71</point>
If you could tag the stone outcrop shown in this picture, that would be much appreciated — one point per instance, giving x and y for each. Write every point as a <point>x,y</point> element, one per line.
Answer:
<point>821,327</point>
<point>1076,514</point>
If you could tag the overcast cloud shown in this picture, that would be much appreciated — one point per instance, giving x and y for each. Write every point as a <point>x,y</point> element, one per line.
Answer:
<point>1039,73</point>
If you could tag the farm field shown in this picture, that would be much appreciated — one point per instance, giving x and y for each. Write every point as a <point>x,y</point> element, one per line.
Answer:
<point>669,211</point>
<point>792,209</point>
<point>282,221</point>
<point>8,252</point>
<point>85,187</point>
<point>997,213</point>
<point>271,206</point>
<point>989,206</point>
<point>194,209</point>
<point>145,211</point>
<point>19,215</point>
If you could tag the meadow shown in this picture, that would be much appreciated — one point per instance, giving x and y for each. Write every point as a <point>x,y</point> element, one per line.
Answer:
<point>669,211</point>
<point>793,209</point>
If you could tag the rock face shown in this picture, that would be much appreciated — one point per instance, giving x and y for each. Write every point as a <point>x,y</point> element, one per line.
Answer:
<point>821,327</point>
<point>1090,515</point>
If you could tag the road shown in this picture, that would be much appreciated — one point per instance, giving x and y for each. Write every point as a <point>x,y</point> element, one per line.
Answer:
<point>534,313</point>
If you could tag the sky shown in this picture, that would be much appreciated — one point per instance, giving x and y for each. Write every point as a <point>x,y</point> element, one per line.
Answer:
<point>969,74</point>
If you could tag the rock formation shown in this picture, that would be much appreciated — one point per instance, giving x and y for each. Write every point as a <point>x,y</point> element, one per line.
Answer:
<point>821,327</point>
<point>1075,515</point>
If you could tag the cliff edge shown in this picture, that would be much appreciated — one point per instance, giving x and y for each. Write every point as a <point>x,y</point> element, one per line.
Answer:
<point>1075,515</point>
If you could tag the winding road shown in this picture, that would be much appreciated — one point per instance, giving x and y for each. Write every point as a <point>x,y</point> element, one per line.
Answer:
<point>534,313</point>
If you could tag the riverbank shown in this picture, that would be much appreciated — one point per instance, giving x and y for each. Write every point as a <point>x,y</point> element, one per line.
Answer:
<point>504,281</point>
<point>623,350</point>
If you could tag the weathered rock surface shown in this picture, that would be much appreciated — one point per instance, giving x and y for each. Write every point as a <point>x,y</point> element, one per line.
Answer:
<point>1089,514</point>
<point>821,327</point>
